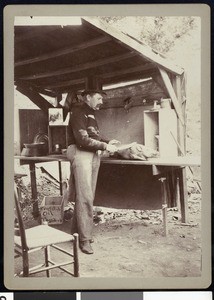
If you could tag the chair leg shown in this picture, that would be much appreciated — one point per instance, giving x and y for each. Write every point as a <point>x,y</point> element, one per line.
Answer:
<point>47,256</point>
<point>76,257</point>
<point>25,261</point>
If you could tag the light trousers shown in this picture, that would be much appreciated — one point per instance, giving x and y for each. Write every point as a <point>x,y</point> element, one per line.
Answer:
<point>84,167</point>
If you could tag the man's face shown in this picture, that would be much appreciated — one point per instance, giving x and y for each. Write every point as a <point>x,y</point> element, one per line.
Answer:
<point>95,101</point>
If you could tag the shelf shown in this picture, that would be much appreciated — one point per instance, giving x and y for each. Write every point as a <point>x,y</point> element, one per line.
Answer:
<point>160,131</point>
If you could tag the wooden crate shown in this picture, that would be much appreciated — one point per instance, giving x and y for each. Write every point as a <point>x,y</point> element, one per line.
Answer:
<point>52,209</point>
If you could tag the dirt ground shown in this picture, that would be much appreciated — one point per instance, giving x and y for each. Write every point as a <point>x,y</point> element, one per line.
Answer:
<point>137,248</point>
<point>130,243</point>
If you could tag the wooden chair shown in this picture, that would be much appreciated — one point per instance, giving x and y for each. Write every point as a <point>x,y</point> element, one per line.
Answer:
<point>42,237</point>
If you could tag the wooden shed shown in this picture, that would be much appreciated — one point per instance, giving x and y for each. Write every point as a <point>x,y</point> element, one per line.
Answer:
<point>54,60</point>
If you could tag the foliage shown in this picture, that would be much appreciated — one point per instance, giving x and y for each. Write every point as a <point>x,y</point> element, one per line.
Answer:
<point>160,33</point>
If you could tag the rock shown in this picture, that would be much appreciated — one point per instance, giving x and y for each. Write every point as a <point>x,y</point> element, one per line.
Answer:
<point>142,242</point>
<point>156,223</point>
<point>172,209</point>
<point>145,216</point>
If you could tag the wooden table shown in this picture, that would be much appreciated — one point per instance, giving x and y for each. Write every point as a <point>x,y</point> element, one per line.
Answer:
<point>158,165</point>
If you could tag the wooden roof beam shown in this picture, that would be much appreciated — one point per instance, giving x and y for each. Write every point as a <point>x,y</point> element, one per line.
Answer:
<point>33,34</point>
<point>66,83</point>
<point>45,92</point>
<point>81,67</point>
<point>145,67</point>
<point>126,78</point>
<point>130,43</point>
<point>62,52</point>
<point>35,97</point>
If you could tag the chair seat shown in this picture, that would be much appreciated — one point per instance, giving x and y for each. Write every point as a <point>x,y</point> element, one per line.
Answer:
<point>43,235</point>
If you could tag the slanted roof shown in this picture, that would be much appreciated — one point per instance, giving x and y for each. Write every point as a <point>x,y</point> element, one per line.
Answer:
<point>56,59</point>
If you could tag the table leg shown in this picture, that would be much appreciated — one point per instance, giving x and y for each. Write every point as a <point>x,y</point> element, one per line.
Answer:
<point>183,194</point>
<point>34,189</point>
<point>60,177</point>
<point>164,204</point>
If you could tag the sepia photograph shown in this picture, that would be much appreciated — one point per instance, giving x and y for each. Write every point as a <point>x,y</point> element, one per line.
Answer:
<point>107,147</point>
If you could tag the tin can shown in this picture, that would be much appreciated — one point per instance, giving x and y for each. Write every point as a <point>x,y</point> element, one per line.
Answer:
<point>166,103</point>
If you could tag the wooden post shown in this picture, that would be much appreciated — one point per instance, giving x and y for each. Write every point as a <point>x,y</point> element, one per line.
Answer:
<point>25,262</point>
<point>172,95</point>
<point>183,195</point>
<point>90,82</point>
<point>76,257</point>
<point>164,204</point>
<point>177,193</point>
<point>179,86</point>
<point>93,83</point>
<point>47,252</point>
<point>176,82</point>
<point>182,85</point>
<point>34,189</point>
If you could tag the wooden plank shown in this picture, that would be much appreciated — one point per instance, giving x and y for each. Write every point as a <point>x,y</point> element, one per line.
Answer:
<point>34,190</point>
<point>183,195</point>
<point>33,34</point>
<point>138,100</point>
<point>176,161</point>
<point>130,43</point>
<point>44,91</point>
<point>81,67</point>
<point>129,77</point>
<point>144,67</point>
<point>181,129</point>
<point>183,101</point>
<point>32,122</point>
<point>172,95</point>
<point>62,52</point>
<point>66,83</point>
<point>91,82</point>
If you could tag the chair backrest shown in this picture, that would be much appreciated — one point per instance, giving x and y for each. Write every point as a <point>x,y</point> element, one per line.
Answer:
<point>22,234</point>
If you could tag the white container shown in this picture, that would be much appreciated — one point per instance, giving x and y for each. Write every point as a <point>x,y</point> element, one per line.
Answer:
<point>166,103</point>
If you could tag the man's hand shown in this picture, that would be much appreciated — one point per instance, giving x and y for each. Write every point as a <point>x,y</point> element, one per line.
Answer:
<point>114,142</point>
<point>111,148</point>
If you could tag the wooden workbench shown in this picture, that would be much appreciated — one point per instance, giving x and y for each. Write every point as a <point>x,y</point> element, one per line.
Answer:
<point>135,177</point>
<point>166,161</point>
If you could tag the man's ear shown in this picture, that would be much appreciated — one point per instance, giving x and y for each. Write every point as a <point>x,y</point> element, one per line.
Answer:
<point>88,98</point>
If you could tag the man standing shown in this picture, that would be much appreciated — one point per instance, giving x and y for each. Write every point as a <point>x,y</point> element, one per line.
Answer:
<point>85,163</point>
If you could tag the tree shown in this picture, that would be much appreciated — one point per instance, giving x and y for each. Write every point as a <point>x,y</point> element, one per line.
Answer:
<point>160,32</point>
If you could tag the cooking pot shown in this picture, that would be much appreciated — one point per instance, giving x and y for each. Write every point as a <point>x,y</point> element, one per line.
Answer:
<point>34,149</point>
